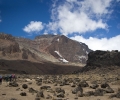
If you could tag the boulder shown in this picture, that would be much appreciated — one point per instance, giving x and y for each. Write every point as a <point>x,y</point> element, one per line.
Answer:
<point>89,93</point>
<point>58,90</point>
<point>99,92</point>
<point>83,84</point>
<point>31,90</point>
<point>25,86</point>
<point>104,85</point>
<point>13,84</point>
<point>79,94</point>
<point>94,86</point>
<point>76,89</point>
<point>13,99</point>
<point>40,94</point>
<point>117,95</point>
<point>37,98</point>
<point>45,87</point>
<point>61,95</point>
<point>109,90</point>
<point>23,94</point>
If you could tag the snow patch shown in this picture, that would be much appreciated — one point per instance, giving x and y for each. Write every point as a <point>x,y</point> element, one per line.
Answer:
<point>61,58</point>
<point>82,57</point>
<point>58,53</point>
<point>87,52</point>
<point>64,60</point>
<point>80,42</point>
<point>58,40</point>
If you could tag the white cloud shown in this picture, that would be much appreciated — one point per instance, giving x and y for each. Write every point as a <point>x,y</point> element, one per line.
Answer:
<point>100,44</point>
<point>34,26</point>
<point>79,16</point>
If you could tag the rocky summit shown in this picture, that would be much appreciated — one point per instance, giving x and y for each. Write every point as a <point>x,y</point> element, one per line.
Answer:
<point>56,48</point>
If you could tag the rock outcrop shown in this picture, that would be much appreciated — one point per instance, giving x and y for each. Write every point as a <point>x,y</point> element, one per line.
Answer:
<point>102,59</point>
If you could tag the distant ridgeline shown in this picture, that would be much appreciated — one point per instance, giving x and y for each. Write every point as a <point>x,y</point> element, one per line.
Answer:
<point>7,36</point>
<point>45,36</point>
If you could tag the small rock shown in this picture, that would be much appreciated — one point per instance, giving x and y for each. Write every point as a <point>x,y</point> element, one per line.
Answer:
<point>23,94</point>
<point>99,92</point>
<point>72,85</point>
<point>13,99</point>
<point>37,98</point>
<point>104,85</point>
<point>109,90</point>
<point>76,89</point>
<point>79,94</point>
<point>13,84</point>
<point>58,90</point>
<point>94,86</point>
<point>25,86</point>
<point>61,95</point>
<point>45,87</point>
<point>83,84</point>
<point>40,94</point>
<point>89,93</point>
<point>31,90</point>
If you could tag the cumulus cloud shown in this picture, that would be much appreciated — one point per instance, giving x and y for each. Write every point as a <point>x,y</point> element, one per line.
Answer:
<point>79,16</point>
<point>100,44</point>
<point>33,26</point>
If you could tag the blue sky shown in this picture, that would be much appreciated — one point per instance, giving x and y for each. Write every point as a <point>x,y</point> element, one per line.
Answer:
<point>94,22</point>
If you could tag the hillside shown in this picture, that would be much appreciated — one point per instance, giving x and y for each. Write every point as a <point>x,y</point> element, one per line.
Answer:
<point>56,48</point>
<point>46,54</point>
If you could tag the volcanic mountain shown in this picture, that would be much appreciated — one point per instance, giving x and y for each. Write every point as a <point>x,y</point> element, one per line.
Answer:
<point>46,54</point>
<point>56,48</point>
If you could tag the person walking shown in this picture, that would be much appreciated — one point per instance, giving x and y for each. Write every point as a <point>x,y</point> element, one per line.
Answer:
<point>0,79</point>
<point>13,77</point>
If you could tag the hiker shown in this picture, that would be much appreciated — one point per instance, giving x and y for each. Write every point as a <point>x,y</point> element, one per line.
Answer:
<point>0,79</point>
<point>10,77</point>
<point>13,77</point>
<point>6,78</point>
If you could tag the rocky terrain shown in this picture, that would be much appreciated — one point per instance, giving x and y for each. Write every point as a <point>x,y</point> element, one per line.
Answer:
<point>45,71</point>
<point>62,87</point>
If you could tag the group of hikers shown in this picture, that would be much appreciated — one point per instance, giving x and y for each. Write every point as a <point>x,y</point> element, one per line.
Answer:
<point>7,78</point>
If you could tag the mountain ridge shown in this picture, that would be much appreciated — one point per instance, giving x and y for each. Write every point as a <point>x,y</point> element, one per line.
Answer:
<point>21,55</point>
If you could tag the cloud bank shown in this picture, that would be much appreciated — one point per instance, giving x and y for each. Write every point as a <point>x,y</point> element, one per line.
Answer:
<point>82,16</point>
<point>100,44</point>
<point>79,16</point>
<point>33,26</point>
